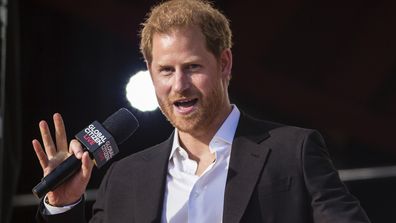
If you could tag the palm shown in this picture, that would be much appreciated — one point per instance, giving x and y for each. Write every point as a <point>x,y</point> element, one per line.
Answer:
<point>72,189</point>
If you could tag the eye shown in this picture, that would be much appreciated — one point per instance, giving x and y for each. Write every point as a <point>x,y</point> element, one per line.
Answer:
<point>166,70</point>
<point>193,67</point>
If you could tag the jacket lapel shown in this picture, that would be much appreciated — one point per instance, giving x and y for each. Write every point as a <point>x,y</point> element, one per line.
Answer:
<point>151,180</point>
<point>248,157</point>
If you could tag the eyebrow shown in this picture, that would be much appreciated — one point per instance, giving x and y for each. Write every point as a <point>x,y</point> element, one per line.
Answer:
<point>163,66</point>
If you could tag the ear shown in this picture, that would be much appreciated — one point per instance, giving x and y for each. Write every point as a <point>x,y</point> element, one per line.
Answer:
<point>226,63</point>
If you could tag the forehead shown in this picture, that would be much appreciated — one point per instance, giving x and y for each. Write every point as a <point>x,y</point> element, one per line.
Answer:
<point>179,42</point>
<point>182,33</point>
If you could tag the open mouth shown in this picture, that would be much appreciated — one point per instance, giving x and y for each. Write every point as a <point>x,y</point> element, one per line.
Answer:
<point>185,103</point>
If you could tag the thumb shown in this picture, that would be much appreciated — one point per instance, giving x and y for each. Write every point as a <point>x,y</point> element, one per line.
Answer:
<point>76,148</point>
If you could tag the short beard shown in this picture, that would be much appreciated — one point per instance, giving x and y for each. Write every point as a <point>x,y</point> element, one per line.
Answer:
<point>201,119</point>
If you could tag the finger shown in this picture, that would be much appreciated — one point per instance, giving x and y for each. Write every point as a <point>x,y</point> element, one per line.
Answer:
<point>60,133</point>
<point>87,165</point>
<point>42,157</point>
<point>49,145</point>
<point>76,148</point>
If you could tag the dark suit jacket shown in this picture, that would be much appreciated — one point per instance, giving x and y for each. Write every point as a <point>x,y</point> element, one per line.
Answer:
<point>277,174</point>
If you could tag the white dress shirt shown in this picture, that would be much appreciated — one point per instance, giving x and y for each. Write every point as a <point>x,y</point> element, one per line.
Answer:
<point>196,199</point>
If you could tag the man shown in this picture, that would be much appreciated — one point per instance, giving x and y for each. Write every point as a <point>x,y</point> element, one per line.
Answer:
<point>219,165</point>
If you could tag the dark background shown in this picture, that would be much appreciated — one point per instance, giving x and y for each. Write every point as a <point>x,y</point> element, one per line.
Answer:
<point>328,65</point>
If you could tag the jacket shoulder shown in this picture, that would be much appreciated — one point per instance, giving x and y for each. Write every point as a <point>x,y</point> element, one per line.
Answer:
<point>274,130</point>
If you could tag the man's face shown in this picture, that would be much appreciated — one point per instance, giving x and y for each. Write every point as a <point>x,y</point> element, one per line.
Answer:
<point>190,82</point>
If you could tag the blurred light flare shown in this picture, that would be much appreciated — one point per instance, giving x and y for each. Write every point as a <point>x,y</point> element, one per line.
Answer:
<point>140,92</point>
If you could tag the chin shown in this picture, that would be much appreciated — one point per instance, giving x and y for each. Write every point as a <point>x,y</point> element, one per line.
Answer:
<point>199,120</point>
<point>185,124</point>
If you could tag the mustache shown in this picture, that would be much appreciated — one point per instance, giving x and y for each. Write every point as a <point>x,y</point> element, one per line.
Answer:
<point>185,95</point>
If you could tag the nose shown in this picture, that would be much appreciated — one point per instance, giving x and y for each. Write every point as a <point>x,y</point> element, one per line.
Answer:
<point>182,81</point>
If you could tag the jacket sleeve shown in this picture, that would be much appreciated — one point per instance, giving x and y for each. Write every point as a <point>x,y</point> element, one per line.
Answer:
<point>76,214</point>
<point>330,199</point>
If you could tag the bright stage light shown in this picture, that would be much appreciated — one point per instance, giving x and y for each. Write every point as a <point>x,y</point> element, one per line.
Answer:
<point>140,92</point>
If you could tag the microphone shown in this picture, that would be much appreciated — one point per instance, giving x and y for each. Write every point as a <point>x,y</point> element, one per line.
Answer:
<point>99,140</point>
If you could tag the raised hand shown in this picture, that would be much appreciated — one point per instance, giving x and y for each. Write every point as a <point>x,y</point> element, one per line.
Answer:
<point>71,190</point>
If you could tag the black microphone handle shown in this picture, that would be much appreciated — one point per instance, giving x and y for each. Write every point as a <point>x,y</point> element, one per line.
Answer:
<point>60,174</point>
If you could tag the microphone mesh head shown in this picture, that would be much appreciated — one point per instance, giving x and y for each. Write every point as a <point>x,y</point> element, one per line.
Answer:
<point>121,125</point>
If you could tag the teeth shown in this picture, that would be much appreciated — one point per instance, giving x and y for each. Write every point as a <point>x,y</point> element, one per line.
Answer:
<point>186,102</point>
